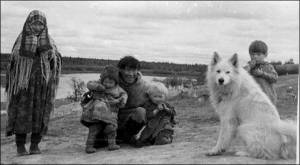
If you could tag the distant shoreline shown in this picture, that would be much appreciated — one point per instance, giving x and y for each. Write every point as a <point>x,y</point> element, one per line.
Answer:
<point>3,80</point>
<point>78,65</point>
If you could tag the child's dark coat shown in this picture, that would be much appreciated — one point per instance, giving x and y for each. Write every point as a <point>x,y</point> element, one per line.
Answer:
<point>163,120</point>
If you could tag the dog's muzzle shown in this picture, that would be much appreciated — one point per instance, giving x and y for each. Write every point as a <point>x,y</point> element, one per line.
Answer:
<point>221,81</point>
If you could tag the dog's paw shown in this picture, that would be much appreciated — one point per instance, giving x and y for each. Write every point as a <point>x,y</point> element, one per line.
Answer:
<point>215,152</point>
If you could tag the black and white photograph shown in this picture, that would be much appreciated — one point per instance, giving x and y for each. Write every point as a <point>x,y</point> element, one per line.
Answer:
<point>149,82</point>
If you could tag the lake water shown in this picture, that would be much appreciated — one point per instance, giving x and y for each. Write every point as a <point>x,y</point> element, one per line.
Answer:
<point>64,88</point>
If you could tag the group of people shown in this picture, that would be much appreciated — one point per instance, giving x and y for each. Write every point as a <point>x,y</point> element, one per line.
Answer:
<point>120,107</point>
<point>123,107</point>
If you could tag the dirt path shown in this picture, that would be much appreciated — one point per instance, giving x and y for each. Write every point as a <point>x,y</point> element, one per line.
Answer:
<point>196,133</point>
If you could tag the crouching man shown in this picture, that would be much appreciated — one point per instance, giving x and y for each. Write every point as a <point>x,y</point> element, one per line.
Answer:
<point>132,118</point>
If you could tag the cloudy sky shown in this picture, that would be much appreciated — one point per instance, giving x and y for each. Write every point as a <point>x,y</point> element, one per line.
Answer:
<point>179,32</point>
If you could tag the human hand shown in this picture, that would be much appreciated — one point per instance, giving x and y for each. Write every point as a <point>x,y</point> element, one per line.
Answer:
<point>163,106</point>
<point>259,71</point>
<point>160,107</point>
<point>155,111</point>
<point>121,102</point>
<point>247,68</point>
<point>252,63</point>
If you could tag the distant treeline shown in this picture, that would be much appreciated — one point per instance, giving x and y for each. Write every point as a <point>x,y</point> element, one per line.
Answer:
<point>93,65</point>
<point>89,65</point>
<point>287,69</point>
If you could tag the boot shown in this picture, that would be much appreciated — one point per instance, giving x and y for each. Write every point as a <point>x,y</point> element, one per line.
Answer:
<point>100,141</point>
<point>90,149</point>
<point>164,137</point>
<point>34,149</point>
<point>162,141</point>
<point>20,142</point>
<point>93,131</point>
<point>138,144</point>
<point>111,139</point>
<point>34,146</point>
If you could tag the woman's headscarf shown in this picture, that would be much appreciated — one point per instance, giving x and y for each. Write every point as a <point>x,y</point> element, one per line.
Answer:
<point>32,42</point>
<point>28,46</point>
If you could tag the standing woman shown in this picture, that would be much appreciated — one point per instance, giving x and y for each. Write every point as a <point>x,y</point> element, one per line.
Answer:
<point>32,79</point>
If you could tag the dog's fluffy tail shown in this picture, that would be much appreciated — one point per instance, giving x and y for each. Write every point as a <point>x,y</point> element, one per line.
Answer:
<point>288,133</point>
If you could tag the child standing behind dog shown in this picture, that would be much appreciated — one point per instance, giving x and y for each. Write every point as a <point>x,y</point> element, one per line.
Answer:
<point>263,72</point>
<point>101,113</point>
<point>160,118</point>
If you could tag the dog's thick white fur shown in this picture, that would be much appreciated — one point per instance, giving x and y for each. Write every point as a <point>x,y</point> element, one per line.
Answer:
<point>246,112</point>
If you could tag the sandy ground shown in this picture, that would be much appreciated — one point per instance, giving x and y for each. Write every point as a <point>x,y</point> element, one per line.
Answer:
<point>196,133</point>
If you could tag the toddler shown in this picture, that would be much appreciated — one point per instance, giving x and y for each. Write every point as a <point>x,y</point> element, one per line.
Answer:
<point>160,118</point>
<point>100,114</point>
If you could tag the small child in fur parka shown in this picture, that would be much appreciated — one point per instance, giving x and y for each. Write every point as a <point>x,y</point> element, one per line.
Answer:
<point>100,114</point>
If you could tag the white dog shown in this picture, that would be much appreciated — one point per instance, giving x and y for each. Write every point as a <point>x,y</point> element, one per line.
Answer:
<point>246,111</point>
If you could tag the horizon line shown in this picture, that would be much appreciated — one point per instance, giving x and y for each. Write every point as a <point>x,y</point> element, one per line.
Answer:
<point>124,56</point>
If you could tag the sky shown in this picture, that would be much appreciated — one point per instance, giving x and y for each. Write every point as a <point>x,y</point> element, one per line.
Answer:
<point>185,32</point>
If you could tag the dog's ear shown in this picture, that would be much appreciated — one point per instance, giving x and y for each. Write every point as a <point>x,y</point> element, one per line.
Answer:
<point>234,60</point>
<point>215,59</point>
